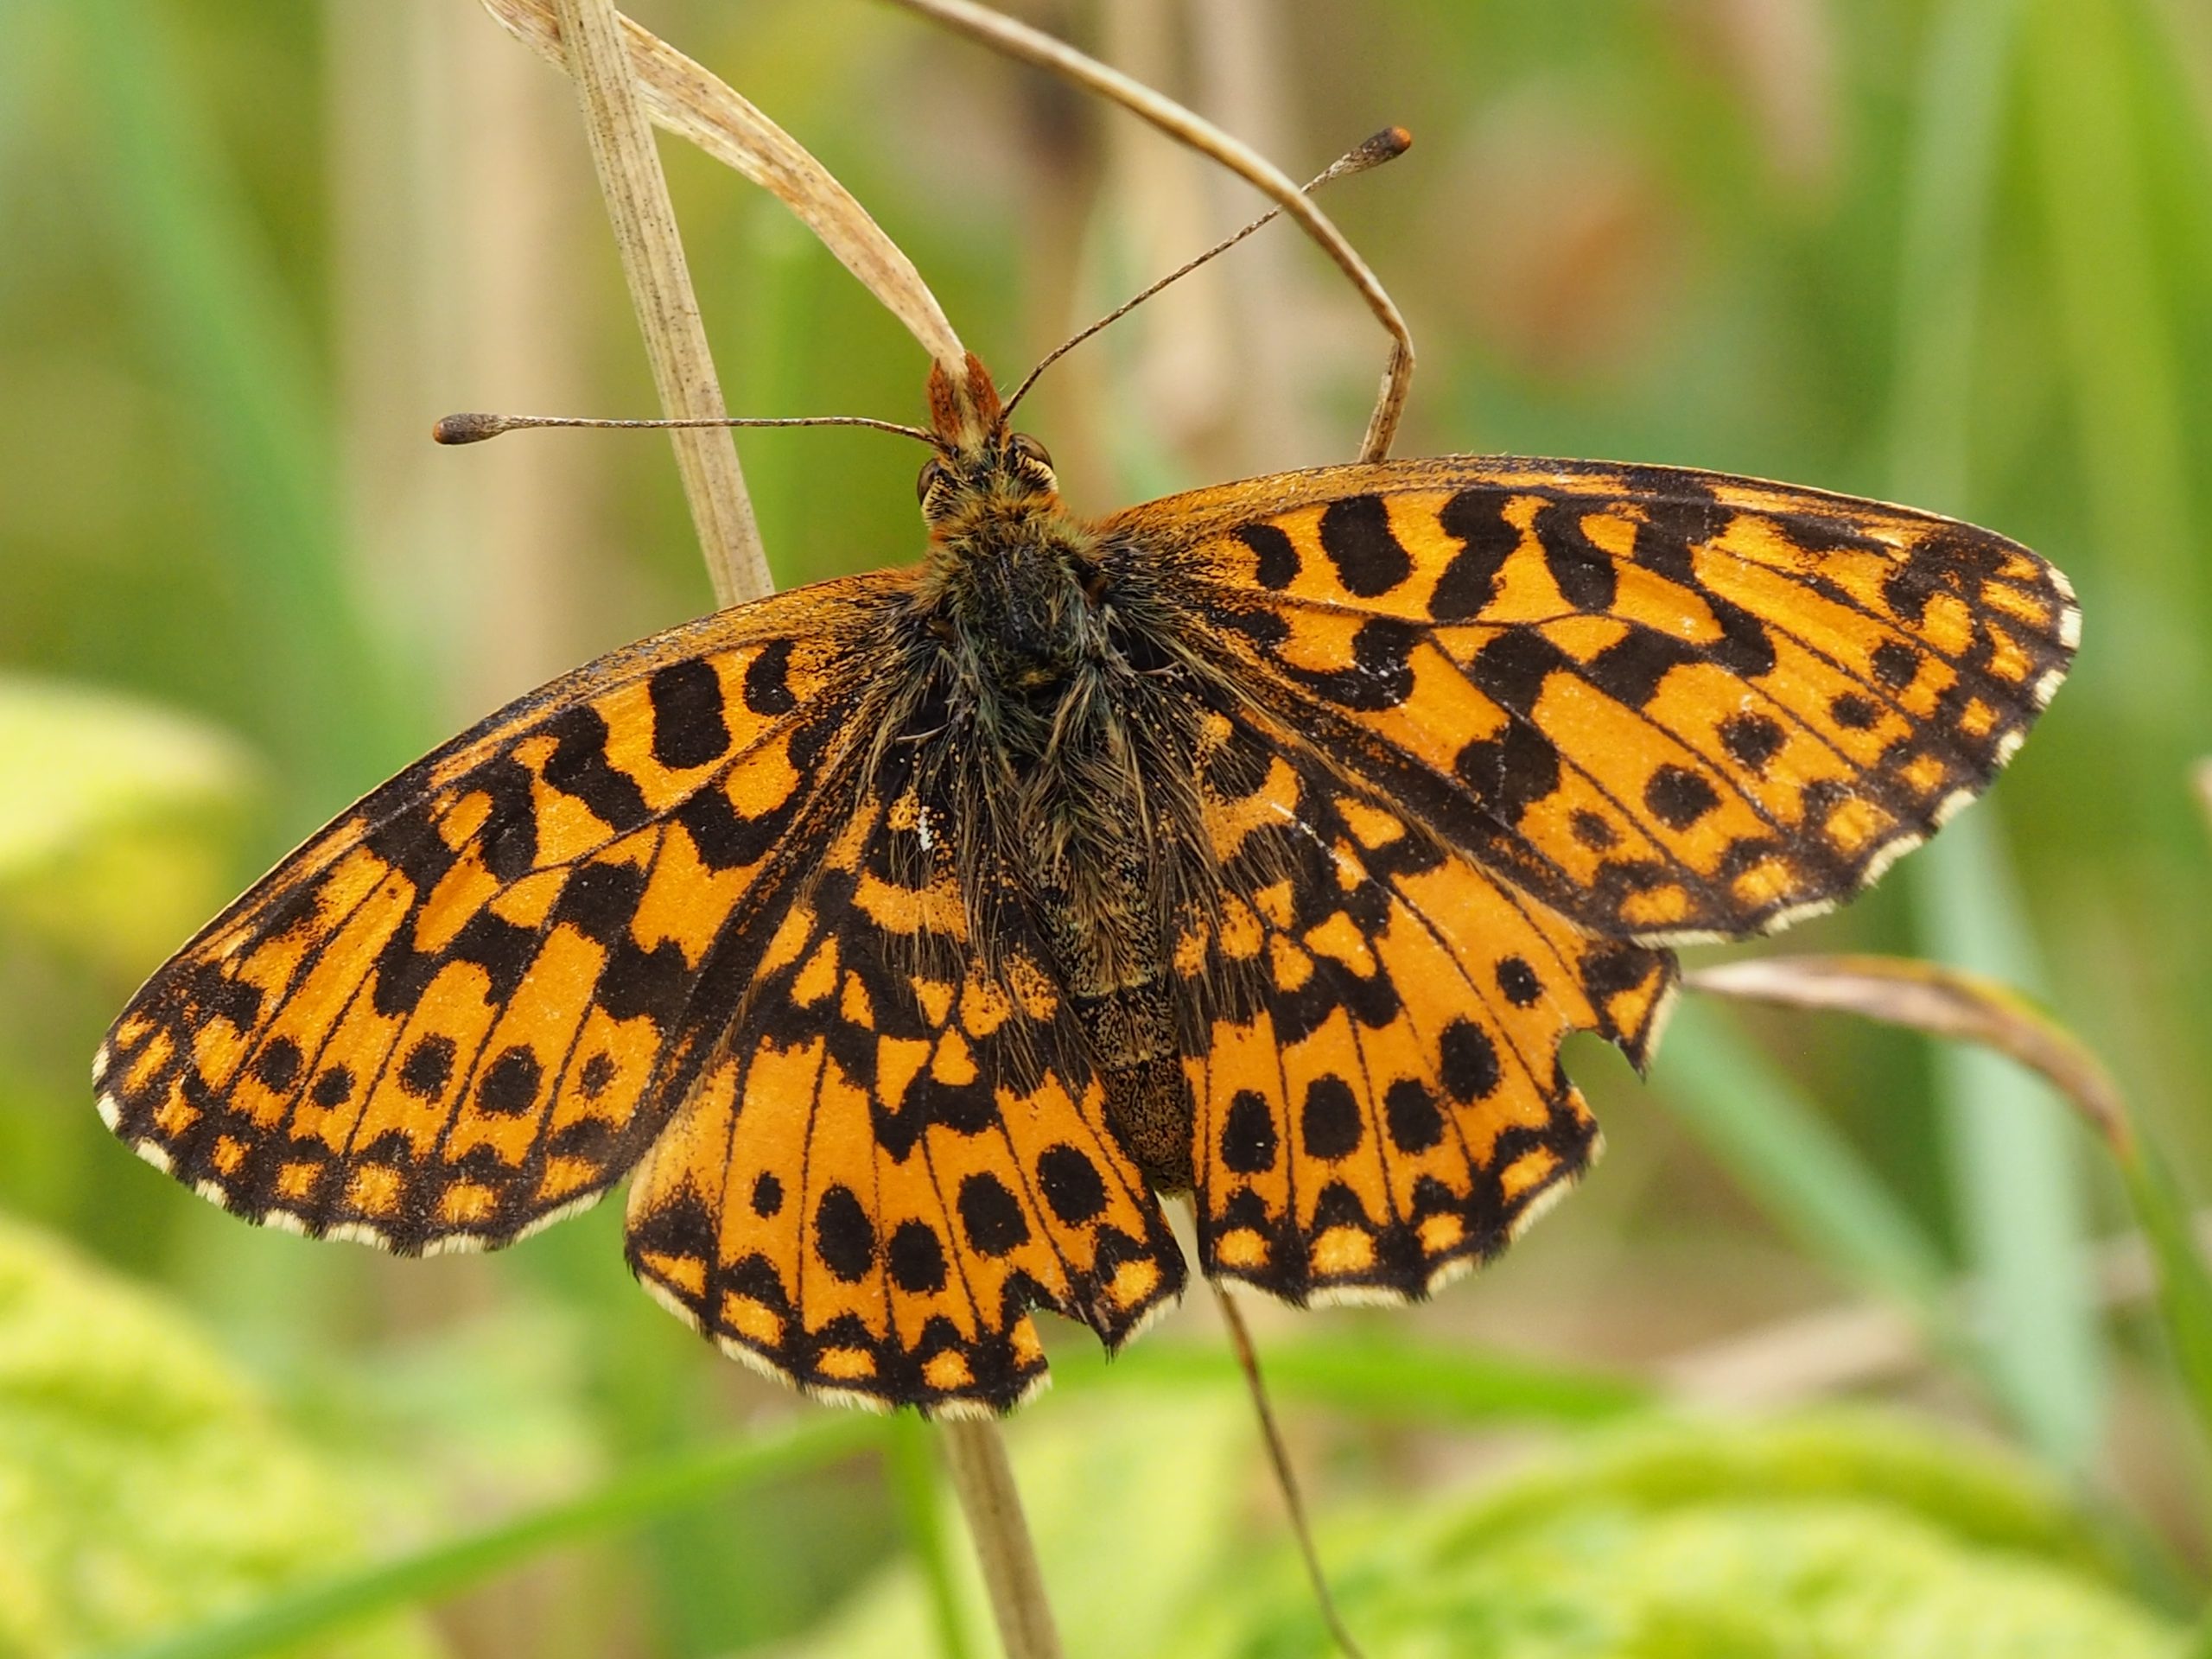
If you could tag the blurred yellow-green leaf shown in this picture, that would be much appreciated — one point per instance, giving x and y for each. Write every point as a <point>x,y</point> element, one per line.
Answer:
<point>143,1483</point>
<point>119,822</point>
<point>1828,1535</point>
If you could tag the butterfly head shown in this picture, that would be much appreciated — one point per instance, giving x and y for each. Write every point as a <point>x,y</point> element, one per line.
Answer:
<point>981,468</point>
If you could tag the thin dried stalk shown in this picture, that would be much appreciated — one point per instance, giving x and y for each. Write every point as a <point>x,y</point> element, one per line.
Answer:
<point>682,96</point>
<point>660,288</point>
<point>1943,1001</point>
<point>1949,1003</point>
<point>1858,1345</point>
<point>600,47</point>
<point>1019,40</point>
<point>975,1453</point>
<point>1248,1361</point>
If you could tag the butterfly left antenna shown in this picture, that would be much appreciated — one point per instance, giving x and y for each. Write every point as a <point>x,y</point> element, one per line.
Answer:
<point>474,429</point>
<point>1385,146</point>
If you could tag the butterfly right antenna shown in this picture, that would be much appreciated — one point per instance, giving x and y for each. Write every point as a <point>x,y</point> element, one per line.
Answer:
<point>1385,146</point>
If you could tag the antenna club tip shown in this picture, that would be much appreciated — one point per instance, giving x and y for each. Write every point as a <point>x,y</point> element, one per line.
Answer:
<point>1388,144</point>
<point>469,428</point>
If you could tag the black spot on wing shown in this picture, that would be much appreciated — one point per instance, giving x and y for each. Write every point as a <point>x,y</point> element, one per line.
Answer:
<point>278,1064</point>
<point>1469,1062</point>
<point>1381,675</point>
<point>427,1067</point>
<point>767,1195</point>
<point>1630,668</point>
<point>1591,830</point>
<point>579,766</point>
<point>1585,571</point>
<point>1510,772</point>
<point>1071,1184</point>
<point>991,1216</point>
<point>844,1238</point>
<point>916,1258</point>
<point>1753,739</point>
<point>688,727</point>
<point>510,1084</point>
<point>1410,1114</point>
<point>1852,712</point>
<point>1248,1144</point>
<point>1519,982</point>
<point>1355,535</point>
<point>1331,1124</point>
<point>1896,665</point>
<point>767,680</point>
<point>1275,556</point>
<point>1678,797</point>
<point>1476,517</point>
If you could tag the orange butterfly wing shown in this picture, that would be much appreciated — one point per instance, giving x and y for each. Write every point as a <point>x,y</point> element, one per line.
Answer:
<point>467,1005</point>
<point>899,1151</point>
<point>1501,728</point>
<point>1673,705</point>
<point>1381,1102</point>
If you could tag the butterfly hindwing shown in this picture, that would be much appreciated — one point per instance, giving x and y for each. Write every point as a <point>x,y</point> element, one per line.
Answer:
<point>900,1150</point>
<point>1673,705</point>
<point>468,1005</point>
<point>1380,1102</point>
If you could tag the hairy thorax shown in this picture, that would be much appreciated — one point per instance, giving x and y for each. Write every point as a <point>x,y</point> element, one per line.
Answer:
<point>1042,734</point>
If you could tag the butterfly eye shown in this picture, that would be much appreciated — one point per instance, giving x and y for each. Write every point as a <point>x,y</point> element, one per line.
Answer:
<point>1026,449</point>
<point>932,475</point>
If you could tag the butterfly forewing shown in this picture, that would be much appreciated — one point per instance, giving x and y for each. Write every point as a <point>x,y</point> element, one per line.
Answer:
<point>1670,704</point>
<point>469,1003</point>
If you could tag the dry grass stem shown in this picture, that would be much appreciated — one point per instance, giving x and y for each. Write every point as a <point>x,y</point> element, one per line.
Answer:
<point>682,96</point>
<point>1248,1361</point>
<point>660,287</point>
<point>975,1453</point>
<point>1943,1002</point>
<point>1019,40</point>
<point>1858,1345</point>
<point>600,47</point>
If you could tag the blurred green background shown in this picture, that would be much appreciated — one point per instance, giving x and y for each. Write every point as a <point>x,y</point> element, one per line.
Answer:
<point>1957,253</point>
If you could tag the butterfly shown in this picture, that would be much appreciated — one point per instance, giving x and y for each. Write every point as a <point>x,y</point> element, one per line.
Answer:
<point>905,938</point>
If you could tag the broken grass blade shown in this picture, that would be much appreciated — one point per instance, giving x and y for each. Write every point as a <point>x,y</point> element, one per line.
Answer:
<point>1962,1007</point>
<point>1943,1002</point>
<point>686,99</point>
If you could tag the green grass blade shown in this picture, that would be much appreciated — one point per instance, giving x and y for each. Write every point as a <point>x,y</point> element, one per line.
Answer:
<point>1789,1159</point>
<point>2185,1286</point>
<point>209,302</point>
<point>1376,1376</point>
<point>2016,1175</point>
<point>2015,1168</point>
<point>2119,343</point>
<point>443,1568</point>
<point>911,1464</point>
